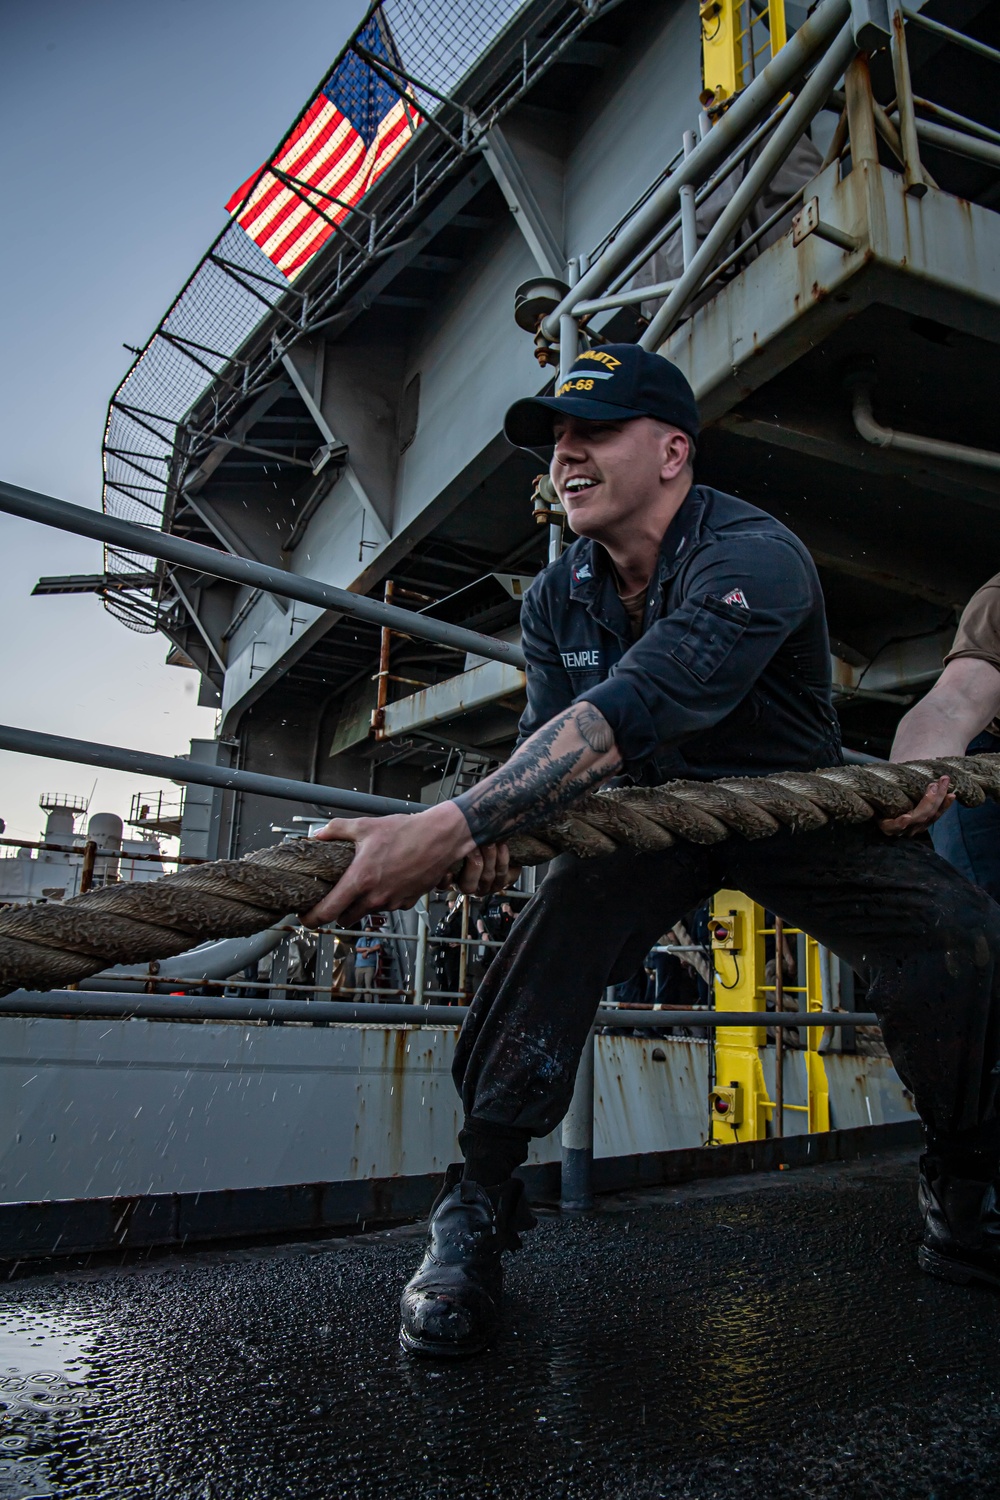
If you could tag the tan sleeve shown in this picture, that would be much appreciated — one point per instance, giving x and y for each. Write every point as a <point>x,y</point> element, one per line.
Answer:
<point>978,633</point>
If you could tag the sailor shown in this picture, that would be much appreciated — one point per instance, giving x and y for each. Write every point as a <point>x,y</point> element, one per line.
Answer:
<point>961,716</point>
<point>682,634</point>
<point>447,955</point>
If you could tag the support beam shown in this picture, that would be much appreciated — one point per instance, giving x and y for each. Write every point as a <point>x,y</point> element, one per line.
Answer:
<point>448,211</point>
<point>455,696</point>
<point>542,239</point>
<point>32,506</point>
<point>309,382</point>
<point>198,773</point>
<point>186,595</point>
<point>828,445</point>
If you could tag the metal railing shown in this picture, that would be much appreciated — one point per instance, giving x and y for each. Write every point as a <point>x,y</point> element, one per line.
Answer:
<point>124,856</point>
<point>958,134</point>
<point>205,341</point>
<point>764,117</point>
<point>77,519</point>
<point>198,773</point>
<point>762,125</point>
<point>98,1005</point>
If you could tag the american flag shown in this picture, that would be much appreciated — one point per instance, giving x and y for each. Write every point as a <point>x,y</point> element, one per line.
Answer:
<point>345,140</point>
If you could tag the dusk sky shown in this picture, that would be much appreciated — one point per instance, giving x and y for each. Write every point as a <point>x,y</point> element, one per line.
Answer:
<point>126,126</point>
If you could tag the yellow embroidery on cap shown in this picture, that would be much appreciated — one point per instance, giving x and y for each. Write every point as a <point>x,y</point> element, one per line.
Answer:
<point>601,357</point>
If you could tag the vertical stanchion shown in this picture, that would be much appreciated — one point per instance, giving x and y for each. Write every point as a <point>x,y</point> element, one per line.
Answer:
<point>463,955</point>
<point>87,867</point>
<point>860,112</point>
<point>326,950</point>
<point>569,332</point>
<point>281,964</point>
<point>915,184</point>
<point>689,225</point>
<point>382,675</point>
<point>86,877</point>
<point>569,348</point>
<point>577,1190</point>
<point>420,958</point>
<point>817,1084</point>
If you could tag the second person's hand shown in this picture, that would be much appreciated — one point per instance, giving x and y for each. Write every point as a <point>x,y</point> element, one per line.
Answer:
<point>933,805</point>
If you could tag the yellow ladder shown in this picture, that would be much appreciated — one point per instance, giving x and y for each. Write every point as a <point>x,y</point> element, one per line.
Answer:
<point>741,1107</point>
<point>737,40</point>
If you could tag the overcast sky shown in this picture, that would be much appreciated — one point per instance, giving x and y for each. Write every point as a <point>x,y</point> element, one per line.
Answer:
<point>126,125</point>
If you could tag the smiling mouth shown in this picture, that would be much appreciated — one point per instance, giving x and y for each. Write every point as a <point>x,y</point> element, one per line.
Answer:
<point>579,486</point>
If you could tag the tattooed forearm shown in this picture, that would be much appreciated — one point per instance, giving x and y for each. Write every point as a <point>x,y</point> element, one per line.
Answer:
<point>567,757</point>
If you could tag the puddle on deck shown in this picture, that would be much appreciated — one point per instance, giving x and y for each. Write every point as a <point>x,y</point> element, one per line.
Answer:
<point>44,1368</point>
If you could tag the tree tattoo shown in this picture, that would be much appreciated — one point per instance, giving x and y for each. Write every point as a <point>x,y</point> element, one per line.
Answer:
<point>567,757</point>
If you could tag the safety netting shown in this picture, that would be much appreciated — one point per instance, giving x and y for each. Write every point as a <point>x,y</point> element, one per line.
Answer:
<point>402,71</point>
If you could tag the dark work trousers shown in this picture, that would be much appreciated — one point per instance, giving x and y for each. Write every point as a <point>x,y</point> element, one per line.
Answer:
<point>926,941</point>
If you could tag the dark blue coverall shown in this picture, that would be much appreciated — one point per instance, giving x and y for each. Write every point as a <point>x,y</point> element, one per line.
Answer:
<point>731,676</point>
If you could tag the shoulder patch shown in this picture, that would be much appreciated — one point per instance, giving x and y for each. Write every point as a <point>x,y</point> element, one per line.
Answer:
<point>736,596</point>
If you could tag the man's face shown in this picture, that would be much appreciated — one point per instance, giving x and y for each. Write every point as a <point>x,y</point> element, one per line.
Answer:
<point>606,472</point>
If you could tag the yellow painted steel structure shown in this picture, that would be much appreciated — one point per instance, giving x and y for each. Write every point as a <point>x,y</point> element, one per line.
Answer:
<point>741,1107</point>
<point>737,40</point>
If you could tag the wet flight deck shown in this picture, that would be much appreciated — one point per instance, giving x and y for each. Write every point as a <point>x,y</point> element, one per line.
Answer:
<point>766,1336</point>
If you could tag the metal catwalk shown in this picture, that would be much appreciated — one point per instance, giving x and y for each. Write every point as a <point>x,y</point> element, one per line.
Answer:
<point>759,1337</point>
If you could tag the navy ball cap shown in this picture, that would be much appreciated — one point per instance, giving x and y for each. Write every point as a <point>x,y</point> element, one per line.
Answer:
<point>611,384</point>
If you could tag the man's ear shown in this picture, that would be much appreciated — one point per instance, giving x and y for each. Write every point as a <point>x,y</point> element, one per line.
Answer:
<point>676,451</point>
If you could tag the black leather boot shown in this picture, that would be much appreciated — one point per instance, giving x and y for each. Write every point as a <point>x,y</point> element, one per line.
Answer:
<point>451,1307</point>
<point>961,1225</point>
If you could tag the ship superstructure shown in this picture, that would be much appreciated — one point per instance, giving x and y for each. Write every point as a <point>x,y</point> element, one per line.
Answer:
<point>67,860</point>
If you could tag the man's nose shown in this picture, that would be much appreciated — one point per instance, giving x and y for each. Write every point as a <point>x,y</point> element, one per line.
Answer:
<point>568,447</point>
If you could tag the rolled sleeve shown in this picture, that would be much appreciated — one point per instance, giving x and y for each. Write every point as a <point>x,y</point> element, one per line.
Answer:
<point>978,634</point>
<point>691,669</point>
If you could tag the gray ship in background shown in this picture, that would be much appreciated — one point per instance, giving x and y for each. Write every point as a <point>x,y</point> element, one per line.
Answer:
<point>67,861</point>
<point>798,210</point>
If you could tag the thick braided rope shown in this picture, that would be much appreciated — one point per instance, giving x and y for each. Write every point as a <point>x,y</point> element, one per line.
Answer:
<point>50,946</point>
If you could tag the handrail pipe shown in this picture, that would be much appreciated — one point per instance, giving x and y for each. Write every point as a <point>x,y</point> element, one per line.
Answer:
<point>771,84</point>
<point>32,506</point>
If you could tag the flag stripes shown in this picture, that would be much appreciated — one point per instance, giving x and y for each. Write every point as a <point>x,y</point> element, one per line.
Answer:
<point>344,142</point>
